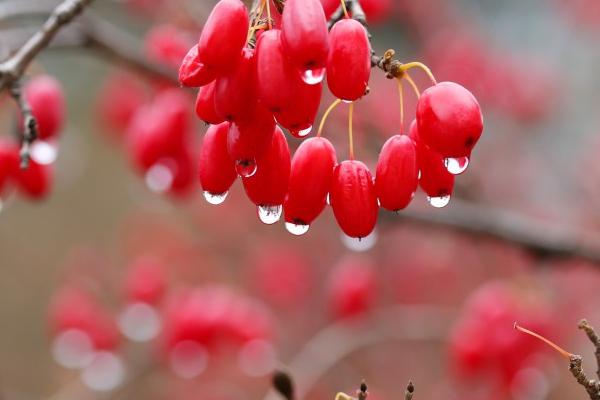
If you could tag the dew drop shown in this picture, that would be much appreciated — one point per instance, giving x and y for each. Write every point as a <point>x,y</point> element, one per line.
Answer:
<point>439,202</point>
<point>159,178</point>
<point>269,214</point>
<point>105,373</point>
<point>257,358</point>
<point>188,359</point>
<point>246,168</point>
<point>215,199</point>
<point>139,322</point>
<point>360,244</point>
<point>456,166</point>
<point>73,349</point>
<point>43,152</point>
<point>296,229</point>
<point>303,133</point>
<point>347,101</point>
<point>313,76</point>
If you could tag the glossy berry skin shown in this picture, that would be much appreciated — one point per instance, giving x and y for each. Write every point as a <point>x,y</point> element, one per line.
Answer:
<point>205,105</point>
<point>304,34</point>
<point>449,119</point>
<point>275,75</point>
<point>224,35</point>
<point>249,140</point>
<point>9,163</point>
<point>192,73</point>
<point>45,96</point>
<point>304,107</point>
<point>310,181</point>
<point>269,185</point>
<point>353,198</point>
<point>352,288</point>
<point>329,7</point>
<point>397,174</point>
<point>236,89</point>
<point>349,64</point>
<point>34,182</point>
<point>435,180</point>
<point>217,169</point>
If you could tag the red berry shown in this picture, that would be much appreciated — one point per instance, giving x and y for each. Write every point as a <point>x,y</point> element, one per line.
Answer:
<point>329,7</point>
<point>397,175</point>
<point>192,73</point>
<point>205,105</point>
<point>9,163</point>
<point>167,44</point>
<point>45,96</point>
<point>120,97</point>
<point>217,170</point>
<point>349,64</point>
<point>145,281</point>
<point>304,34</point>
<point>310,181</point>
<point>236,89</point>
<point>183,167</point>
<point>352,288</point>
<point>35,181</point>
<point>224,35</point>
<point>449,120</point>
<point>300,116</point>
<point>269,185</point>
<point>377,10</point>
<point>353,199</point>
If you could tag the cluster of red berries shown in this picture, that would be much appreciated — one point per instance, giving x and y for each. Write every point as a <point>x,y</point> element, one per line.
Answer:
<point>247,93</point>
<point>45,97</point>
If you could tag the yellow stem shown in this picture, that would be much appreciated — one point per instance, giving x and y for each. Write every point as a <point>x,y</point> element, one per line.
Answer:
<point>416,64</point>
<point>342,396</point>
<point>350,135</point>
<point>345,9</point>
<point>562,351</point>
<point>412,84</point>
<point>401,92</point>
<point>326,115</point>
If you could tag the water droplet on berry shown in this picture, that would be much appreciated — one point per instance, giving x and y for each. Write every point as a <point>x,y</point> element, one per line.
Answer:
<point>139,322</point>
<point>159,178</point>
<point>296,229</point>
<point>439,202</point>
<point>347,101</point>
<point>327,200</point>
<point>360,244</point>
<point>246,168</point>
<point>303,133</point>
<point>188,359</point>
<point>105,373</point>
<point>44,153</point>
<point>215,199</point>
<point>257,358</point>
<point>73,349</point>
<point>456,166</point>
<point>269,214</point>
<point>313,76</point>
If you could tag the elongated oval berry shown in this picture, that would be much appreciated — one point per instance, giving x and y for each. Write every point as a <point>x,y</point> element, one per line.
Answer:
<point>269,185</point>
<point>310,181</point>
<point>275,75</point>
<point>349,64</point>
<point>192,73</point>
<point>300,115</point>
<point>397,175</point>
<point>435,179</point>
<point>353,198</point>
<point>35,181</point>
<point>45,96</point>
<point>236,89</point>
<point>449,119</point>
<point>304,34</point>
<point>224,35</point>
<point>9,163</point>
<point>205,105</point>
<point>217,170</point>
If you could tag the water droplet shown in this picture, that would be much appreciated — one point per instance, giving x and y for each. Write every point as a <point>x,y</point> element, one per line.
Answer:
<point>139,322</point>
<point>44,153</point>
<point>246,168</point>
<point>269,214</point>
<point>296,229</point>
<point>73,349</point>
<point>188,359</point>
<point>215,199</point>
<point>456,166</point>
<point>347,101</point>
<point>159,178</point>
<point>313,76</point>
<point>105,373</point>
<point>257,358</point>
<point>327,200</point>
<point>303,133</point>
<point>360,244</point>
<point>439,202</point>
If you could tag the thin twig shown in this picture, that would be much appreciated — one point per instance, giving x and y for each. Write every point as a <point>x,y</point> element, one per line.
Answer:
<point>591,386</point>
<point>30,126</point>
<point>594,338</point>
<point>410,390</point>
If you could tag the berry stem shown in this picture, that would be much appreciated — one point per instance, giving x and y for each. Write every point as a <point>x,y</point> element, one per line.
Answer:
<point>269,21</point>
<point>413,85</point>
<point>342,396</point>
<point>350,133</point>
<point>401,93</point>
<point>345,9</point>
<point>326,115</point>
<point>417,64</point>
<point>562,351</point>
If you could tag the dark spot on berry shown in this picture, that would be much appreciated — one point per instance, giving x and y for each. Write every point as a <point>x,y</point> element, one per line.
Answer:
<point>310,64</point>
<point>470,142</point>
<point>298,221</point>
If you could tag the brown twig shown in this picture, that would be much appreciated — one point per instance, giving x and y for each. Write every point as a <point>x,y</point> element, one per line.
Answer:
<point>591,386</point>
<point>410,390</point>
<point>594,338</point>
<point>30,126</point>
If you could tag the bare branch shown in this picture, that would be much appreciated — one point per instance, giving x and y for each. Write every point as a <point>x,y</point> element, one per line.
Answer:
<point>594,338</point>
<point>591,386</point>
<point>30,127</point>
<point>410,390</point>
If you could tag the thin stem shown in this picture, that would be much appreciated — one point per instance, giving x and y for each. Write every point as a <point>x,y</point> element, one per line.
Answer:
<point>342,396</point>
<point>350,133</point>
<point>326,115</point>
<point>345,9</point>
<point>417,64</point>
<point>413,85</point>
<point>269,21</point>
<point>401,92</point>
<point>562,351</point>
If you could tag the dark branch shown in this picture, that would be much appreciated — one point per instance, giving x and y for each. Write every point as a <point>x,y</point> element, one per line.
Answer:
<point>594,338</point>
<point>410,390</point>
<point>591,386</point>
<point>30,127</point>
<point>282,382</point>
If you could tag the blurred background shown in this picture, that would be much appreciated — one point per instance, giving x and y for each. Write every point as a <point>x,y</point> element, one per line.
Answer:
<point>112,288</point>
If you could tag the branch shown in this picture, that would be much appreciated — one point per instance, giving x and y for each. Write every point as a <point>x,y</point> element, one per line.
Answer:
<point>410,391</point>
<point>30,126</point>
<point>590,385</point>
<point>593,336</point>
